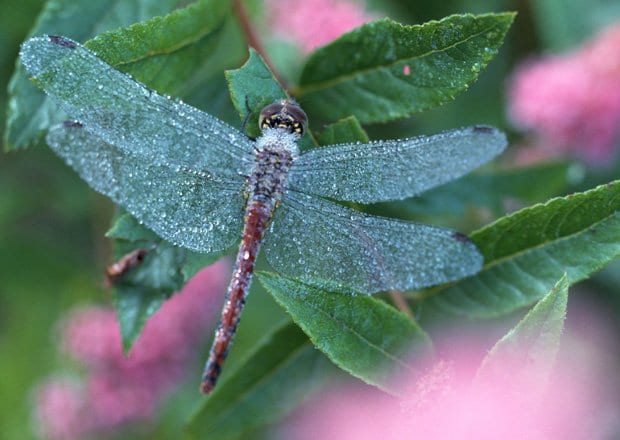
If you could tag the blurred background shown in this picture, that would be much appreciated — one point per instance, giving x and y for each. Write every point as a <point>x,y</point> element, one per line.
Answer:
<point>554,87</point>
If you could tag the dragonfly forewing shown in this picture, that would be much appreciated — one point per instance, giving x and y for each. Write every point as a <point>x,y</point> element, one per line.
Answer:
<point>315,239</point>
<point>394,169</point>
<point>187,207</point>
<point>126,114</point>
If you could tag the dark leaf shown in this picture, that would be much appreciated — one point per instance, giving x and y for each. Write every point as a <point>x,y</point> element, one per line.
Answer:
<point>345,130</point>
<point>527,252</point>
<point>532,345</point>
<point>164,270</point>
<point>178,55</point>
<point>283,371</point>
<point>252,87</point>
<point>384,70</point>
<point>362,335</point>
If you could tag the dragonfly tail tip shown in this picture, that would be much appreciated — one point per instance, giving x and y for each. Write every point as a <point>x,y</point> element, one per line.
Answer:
<point>206,386</point>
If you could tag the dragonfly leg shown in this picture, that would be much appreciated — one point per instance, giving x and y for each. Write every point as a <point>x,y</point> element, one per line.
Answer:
<point>247,115</point>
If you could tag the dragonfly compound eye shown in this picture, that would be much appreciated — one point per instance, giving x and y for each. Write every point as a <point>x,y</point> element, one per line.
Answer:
<point>285,114</point>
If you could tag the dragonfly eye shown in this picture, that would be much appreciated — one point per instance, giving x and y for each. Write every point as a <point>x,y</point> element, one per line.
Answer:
<point>285,114</point>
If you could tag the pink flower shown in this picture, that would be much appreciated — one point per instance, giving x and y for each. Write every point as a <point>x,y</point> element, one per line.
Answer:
<point>58,409</point>
<point>119,389</point>
<point>450,402</point>
<point>572,101</point>
<point>313,23</point>
<point>80,329</point>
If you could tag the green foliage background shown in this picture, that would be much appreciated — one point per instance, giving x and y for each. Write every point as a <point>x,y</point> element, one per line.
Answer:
<point>52,251</point>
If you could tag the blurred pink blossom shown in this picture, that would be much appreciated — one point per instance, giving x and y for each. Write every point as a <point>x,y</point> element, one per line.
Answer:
<point>313,23</point>
<point>449,402</point>
<point>59,407</point>
<point>119,389</point>
<point>572,101</point>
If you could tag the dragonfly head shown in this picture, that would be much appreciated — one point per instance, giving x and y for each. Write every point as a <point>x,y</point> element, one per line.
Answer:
<point>286,114</point>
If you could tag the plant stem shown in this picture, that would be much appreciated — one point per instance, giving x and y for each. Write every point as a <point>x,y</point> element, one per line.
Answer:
<point>400,302</point>
<point>253,39</point>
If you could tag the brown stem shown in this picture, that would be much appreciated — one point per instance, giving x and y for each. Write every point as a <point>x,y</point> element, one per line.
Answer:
<point>253,39</point>
<point>400,302</point>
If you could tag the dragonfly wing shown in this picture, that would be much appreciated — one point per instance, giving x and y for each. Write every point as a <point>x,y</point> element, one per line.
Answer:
<point>185,207</point>
<point>311,238</point>
<point>394,169</point>
<point>126,114</point>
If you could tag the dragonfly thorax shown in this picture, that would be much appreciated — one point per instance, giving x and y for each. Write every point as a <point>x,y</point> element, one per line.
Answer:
<point>278,139</point>
<point>273,161</point>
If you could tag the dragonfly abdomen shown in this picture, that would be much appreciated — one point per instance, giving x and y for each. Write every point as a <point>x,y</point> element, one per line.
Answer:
<point>256,219</point>
<point>265,187</point>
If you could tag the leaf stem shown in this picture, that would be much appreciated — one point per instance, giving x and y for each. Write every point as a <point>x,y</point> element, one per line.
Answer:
<point>254,40</point>
<point>401,304</point>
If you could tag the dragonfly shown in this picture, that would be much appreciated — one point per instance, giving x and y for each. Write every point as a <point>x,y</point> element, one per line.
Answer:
<point>201,184</point>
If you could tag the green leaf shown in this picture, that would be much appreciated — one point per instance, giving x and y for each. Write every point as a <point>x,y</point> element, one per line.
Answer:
<point>491,188</point>
<point>164,270</point>
<point>526,252</point>
<point>169,54</point>
<point>362,335</point>
<point>126,227</point>
<point>532,345</point>
<point>195,262</point>
<point>346,130</point>
<point>134,306</point>
<point>391,71</point>
<point>283,371</point>
<point>252,87</point>
<point>173,54</point>
<point>142,291</point>
<point>29,111</point>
